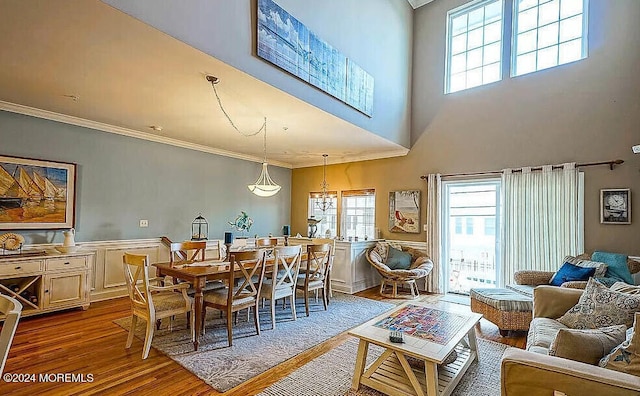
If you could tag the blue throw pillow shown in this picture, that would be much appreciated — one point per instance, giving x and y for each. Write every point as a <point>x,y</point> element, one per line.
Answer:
<point>569,272</point>
<point>397,259</point>
<point>617,265</point>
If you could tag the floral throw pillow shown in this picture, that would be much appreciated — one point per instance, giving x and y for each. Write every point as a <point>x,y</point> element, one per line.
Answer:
<point>600,307</point>
<point>626,356</point>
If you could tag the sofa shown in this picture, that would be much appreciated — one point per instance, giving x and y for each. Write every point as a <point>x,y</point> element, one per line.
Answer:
<point>532,372</point>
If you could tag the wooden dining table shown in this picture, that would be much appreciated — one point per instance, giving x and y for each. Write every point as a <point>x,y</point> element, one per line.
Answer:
<point>198,273</point>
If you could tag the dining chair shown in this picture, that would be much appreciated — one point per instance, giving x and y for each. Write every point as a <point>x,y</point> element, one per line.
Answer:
<point>152,303</point>
<point>187,251</point>
<point>281,280</point>
<point>266,242</point>
<point>10,309</point>
<point>244,267</point>
<point>316,273</point>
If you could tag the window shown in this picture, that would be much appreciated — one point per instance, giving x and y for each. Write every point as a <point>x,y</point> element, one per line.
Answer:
<point>358,213</point>
<point>329,217</point>
<point>489,226</point>
<point>469,221</point>
<point>474,45</point>
<point>458,227</point>
<point>548,33</point>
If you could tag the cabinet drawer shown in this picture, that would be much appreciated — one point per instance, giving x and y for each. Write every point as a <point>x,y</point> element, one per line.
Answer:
<point>66,263</point>
<point>17,268</point>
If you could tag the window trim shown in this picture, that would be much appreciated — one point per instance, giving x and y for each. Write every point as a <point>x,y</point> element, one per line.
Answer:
<point>514,39</point>
<point>466,9</point>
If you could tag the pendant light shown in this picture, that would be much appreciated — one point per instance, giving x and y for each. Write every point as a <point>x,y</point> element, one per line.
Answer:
<point>264,186</point>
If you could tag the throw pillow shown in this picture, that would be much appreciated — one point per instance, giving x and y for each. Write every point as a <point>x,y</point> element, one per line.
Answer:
<point>569,272</point>
<point>587,346</point>
<point>625,288</point>
<point>626,356</point>
<point>397,259</point>
<point>617,265</point>
<point>599,307</point>
<point>601,268</point>
<point>381,249</point>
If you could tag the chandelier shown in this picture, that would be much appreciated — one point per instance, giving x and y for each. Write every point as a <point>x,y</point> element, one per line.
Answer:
<point>325,200</point>
<point>264,186</point>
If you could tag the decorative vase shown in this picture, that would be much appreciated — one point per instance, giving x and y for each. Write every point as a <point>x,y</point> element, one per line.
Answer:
<point>69,237</point>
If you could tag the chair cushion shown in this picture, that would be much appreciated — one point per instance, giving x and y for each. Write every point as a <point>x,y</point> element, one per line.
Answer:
<point>570,272</point>
<point>626,356</point>
<point>600,307</point>
<point>587,345</point>
<point>381,249</point>
<point>527,290</point>
<point>617,265</point>
<point>219,297</point>
<point>397,259</point>
<point>503,299</point>
<point>168,301</point>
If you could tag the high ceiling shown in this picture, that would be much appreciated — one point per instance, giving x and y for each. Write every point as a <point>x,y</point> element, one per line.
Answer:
<point>86,63</point>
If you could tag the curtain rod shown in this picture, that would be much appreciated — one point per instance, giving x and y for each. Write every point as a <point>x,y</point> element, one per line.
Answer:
<point>611,164</point>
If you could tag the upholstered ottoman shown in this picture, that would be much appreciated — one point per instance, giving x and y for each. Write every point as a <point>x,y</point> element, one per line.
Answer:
<point>507,309</point>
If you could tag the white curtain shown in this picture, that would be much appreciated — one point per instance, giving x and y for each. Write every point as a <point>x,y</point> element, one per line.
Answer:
<point>541,219</point>
<point>433,283</point>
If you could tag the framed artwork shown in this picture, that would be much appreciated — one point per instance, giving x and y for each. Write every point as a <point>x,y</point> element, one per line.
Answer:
<point>287,43</point>
<point>404,211</point>
<point>36,194</point>
<point>615,206</point>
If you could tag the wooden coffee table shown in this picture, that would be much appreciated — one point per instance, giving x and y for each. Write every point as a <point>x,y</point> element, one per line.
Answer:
<point>430,335</point>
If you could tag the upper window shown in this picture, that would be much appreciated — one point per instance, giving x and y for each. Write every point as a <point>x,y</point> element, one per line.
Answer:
<point>474,45</point>
<point>548,33</point>
<point>358,213</point>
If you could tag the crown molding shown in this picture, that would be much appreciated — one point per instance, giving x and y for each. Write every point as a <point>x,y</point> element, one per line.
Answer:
<point>99,126</point>
<point>418,3</point>
<point>356,158</point>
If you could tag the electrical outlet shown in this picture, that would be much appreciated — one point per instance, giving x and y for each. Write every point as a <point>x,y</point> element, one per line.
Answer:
<point>636,148</point>
<point>144,223</point>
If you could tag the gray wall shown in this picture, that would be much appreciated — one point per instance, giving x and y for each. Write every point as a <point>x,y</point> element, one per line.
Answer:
<point>378,37</point>
<point>121,180</point>
<point>585,111</point>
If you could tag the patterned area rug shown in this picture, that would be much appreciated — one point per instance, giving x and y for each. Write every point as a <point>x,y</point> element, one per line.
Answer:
<point>224,368</point>
<point>331,374</point>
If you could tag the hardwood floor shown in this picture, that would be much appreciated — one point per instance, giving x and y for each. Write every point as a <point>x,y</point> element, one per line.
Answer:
<point>89,343</point>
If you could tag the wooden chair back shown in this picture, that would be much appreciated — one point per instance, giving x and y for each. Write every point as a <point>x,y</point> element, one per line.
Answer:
<point>318,262</point>
<point>10,309</point>
<point>246,270</point>
<point>187,251</point>
<point>286,265</point>
<point>266,242</point>
<point>136,275</point>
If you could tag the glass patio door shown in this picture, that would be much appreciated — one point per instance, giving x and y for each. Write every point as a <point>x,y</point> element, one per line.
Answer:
<point>471,234</point>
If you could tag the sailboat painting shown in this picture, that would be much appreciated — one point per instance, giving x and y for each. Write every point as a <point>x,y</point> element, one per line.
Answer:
<point>36,194</point>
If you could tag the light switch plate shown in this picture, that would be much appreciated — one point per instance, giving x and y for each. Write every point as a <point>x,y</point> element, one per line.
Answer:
<point>636,148</point>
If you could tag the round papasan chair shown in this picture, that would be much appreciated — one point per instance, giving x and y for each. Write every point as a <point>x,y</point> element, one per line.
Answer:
<point>421,266</point>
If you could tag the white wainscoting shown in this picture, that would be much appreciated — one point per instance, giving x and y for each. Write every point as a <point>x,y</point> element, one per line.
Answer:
<point>107,275</point>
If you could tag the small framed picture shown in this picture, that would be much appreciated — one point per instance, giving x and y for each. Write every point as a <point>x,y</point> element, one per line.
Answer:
<point>615,206</point>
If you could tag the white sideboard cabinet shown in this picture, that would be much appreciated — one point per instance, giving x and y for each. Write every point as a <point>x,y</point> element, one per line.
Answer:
<point>48,282</point>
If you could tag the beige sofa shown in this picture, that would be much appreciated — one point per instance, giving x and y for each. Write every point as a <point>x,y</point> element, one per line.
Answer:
<point>532,372</point>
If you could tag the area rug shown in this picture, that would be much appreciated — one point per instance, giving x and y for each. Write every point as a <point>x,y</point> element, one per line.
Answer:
<point>331,374</point>
<point>225,367</point>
